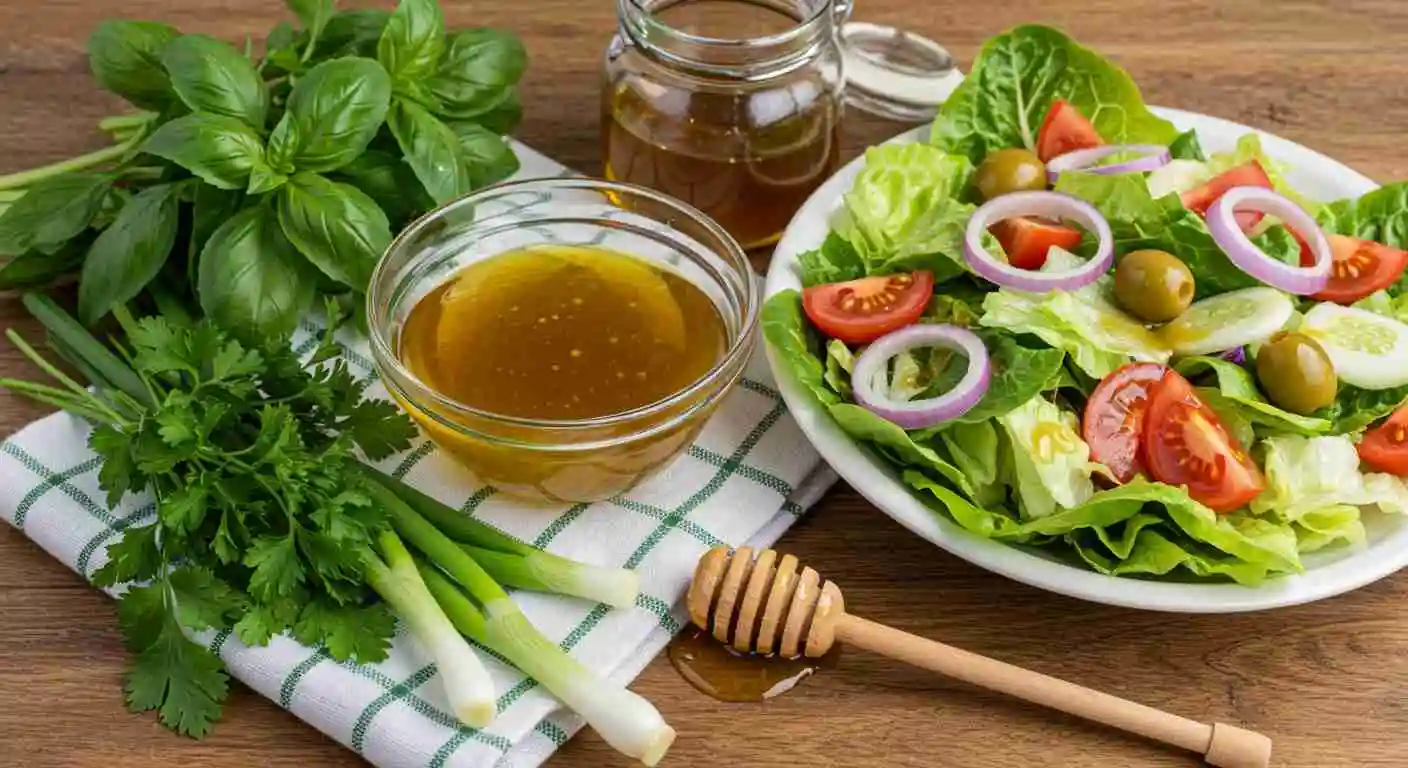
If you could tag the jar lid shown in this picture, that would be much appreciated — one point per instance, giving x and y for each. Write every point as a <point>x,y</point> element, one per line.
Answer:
<point>895,73</point>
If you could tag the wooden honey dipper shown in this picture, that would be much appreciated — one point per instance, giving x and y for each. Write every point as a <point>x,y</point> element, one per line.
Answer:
<point>772,605</point>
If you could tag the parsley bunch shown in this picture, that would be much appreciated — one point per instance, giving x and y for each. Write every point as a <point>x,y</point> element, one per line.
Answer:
<point>260,521</point>
<point>266,522</point>
<point>250,185</point>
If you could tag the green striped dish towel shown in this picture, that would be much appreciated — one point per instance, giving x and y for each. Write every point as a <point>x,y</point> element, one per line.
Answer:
<point>746,479</point>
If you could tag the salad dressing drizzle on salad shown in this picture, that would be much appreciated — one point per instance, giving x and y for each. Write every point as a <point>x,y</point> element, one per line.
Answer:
<point>1213,344</point>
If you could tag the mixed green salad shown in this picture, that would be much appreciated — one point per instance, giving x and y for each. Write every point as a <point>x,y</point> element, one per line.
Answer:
<point>1069,328</point>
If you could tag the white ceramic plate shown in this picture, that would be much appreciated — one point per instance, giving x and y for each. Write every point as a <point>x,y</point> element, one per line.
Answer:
<point>1327,574</point>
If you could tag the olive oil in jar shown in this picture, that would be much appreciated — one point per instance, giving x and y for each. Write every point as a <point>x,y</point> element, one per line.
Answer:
<point>744,140</point>
<point>562,333</point>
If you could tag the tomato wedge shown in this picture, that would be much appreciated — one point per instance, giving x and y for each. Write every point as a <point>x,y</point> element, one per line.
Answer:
<point>1360,267</point>
<point>1064,130</point>
<point>863,310</point>
<point>1113,424</point>
<point>1026,241</point>
<point>1385,447</point>
<point>1249,174</point>
<point>1186,444</point>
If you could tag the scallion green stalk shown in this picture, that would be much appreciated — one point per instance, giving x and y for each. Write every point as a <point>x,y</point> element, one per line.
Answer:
<point>398,581</point>
<point>625,720</point>
<point>513,563</point>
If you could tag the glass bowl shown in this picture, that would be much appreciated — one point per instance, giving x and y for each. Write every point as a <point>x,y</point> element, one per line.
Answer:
<point>562,460</point>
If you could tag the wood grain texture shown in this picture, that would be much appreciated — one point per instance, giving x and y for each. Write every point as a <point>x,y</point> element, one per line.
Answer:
<point>1326,681</point>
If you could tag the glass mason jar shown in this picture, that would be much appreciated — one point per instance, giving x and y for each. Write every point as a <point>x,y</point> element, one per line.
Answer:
<point>733,106</point>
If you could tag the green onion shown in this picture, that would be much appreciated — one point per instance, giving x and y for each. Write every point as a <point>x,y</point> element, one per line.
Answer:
<point>513,563</point>
<point>398,581</point>
<point>625,720</point>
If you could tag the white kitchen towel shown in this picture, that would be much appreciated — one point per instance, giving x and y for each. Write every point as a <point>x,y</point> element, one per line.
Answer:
<point>746,479</point>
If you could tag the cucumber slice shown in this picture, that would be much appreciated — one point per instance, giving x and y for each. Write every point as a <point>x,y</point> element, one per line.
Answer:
<point>1368,350</point>
<point>1248,316</point>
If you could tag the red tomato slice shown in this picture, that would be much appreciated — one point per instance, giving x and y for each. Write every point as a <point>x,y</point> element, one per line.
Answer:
<point>1385,447</point>
<point>1113,425</point>
<point>1185,444</point>
<point>863,310</point>
<point>1026,241</point>
<point>1064,130</point>
<point>1249,175</point>
<point>1360,267</point>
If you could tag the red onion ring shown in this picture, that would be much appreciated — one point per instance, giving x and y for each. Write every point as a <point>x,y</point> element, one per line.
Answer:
<point>1052,205</point>
<point>869,376</point>
<point>1228,234</point>
<point>1152,158</point>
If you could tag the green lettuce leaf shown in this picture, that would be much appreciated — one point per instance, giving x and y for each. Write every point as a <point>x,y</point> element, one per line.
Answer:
<point>1150,552</point>
<point>1187,147</point>
<point>1330,525</point>
<point>869,428</point>
<point>785,327</point>
<point>904,213</point>
<point>974,449</point>
<point>1305,475</point>
<point>1051,462</point>
<point>839,362</point>
<point>1139,221</point>
<point>1236,390</point>
<point>1015,79</point>
<point>1085,323</point>
<point>834,262</point>
<point>1355,408</point>
<point>1380,215</point>
<point>1249,149</point>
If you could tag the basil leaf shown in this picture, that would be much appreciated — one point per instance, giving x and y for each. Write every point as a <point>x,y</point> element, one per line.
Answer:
<point>352,33</point>
<point>36,269</point>
<point>52,212</point>
<point>128,254</point>
<point>336,226</point>
<point>313,14</point>
<point>503,116</point>
<point>219,149</point>
<point>265,179</point>
<point>125,57</point>
<point>252,281</point>
<point>413,40</point>
<point>477,66</point>
<point>488,156</point>
<point>1019,74</point>
<point>390,182</point>
<point>211,76</point>
<point>431,149</point>
<point>333,113</point>
<point>212,207</point>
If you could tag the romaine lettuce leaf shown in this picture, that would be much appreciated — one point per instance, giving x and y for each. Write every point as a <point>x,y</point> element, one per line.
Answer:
<point>1355,408</point>
<point>1381,216</point>
<point>1151,552</point>
<point>1085,323</point>
<point>839,362</point>
<point>1187,147</point>
<point>1139,221</point>
<point>867,427</point>
<point>1308,474</point>
<point>1238,389</point>
<point>1051,462</point>
<point>1330,525</point>
<point>834,262</point>
<point>904,213</point>
<point>1015,79</point>
<point>974,449</point>
<point>785,327</point>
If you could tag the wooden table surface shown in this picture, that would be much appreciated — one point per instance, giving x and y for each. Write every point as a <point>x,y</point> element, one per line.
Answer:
<point>1328,681</point>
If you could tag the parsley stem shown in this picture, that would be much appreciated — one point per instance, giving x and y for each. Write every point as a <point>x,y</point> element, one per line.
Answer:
<point>80,163</point>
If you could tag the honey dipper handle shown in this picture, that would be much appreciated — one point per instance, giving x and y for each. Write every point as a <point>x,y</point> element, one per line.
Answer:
<point>1222,745</point>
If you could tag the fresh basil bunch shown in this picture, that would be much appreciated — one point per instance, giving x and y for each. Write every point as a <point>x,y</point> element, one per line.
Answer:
<point>252,185</point>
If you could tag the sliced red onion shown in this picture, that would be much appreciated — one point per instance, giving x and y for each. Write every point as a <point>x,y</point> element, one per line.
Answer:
<point>1236,355</point>
<point>870,376</point>
<point>1051,205</point>
<point>1152,157</point>
<point>1228,234</point>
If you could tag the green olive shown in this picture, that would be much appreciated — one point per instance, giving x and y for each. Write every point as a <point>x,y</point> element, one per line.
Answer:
<point>1296,373</point>
<point>1153,286</point>
<point>1010,170</point>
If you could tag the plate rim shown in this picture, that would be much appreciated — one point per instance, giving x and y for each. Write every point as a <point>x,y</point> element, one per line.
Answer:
<point>879,484</point>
